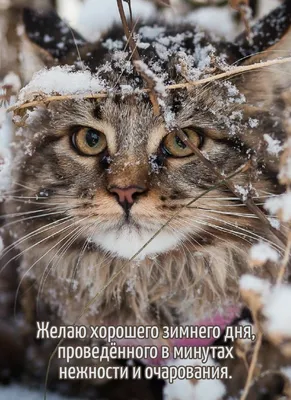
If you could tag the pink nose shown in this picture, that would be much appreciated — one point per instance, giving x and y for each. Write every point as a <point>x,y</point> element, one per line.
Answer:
<point>127,196</point>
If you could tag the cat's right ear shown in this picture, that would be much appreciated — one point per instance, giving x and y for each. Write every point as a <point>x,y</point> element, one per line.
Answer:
<point>53,40</point>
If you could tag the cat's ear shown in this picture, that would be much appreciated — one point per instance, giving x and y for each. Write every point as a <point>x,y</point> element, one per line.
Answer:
<point>53,40</point>
<point>265,88</point>
<point>270,37</point>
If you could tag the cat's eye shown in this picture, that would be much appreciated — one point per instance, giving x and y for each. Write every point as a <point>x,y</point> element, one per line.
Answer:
<point>173,146</point>
<point>89,141</point>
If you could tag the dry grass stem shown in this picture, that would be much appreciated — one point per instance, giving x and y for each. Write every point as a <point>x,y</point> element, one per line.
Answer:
<point>253,364</point>
<point>252,367</point>
<point>186,85</point>
<point>6,92</point>
<point>248,202</point>
<point>136,57</point>
<point>285,261</point>
<point>243,7</point>
<point>128,33</point>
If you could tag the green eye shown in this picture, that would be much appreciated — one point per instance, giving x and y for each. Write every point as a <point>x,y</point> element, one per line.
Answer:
<point>89,142</point>
<point>173,146</point>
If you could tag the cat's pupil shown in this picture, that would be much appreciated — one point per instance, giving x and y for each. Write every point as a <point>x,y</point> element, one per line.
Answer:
<point>92,138</point>
<point>180,143</point>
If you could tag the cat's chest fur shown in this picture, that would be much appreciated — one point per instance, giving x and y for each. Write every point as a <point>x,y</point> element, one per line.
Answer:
<point>175,287</point>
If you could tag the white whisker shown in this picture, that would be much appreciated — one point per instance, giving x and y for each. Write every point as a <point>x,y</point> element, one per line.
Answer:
<point>39,242</point>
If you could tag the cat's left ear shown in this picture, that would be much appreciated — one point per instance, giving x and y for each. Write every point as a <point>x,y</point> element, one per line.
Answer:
<point>270,37</point>
<point>53,40</point>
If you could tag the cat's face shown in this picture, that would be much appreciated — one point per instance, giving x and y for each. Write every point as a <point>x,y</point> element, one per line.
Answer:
<point>122,173</point>
<point>99,181</point>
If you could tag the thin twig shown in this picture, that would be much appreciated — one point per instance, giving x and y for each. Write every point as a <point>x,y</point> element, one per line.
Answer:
<point>252,366</point>
<point>284,179</point>
<point>136,57</point>
<point>243,7</point>
<point>285,261</point>
<point>6,92</point>
<point>248,202</point>
<point>128,34</point>
<point>185,85</point>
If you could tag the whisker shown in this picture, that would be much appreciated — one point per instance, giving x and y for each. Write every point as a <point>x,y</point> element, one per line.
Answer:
<point>23,186</point>
<point>248,233</point>
<point>35,233</point>
<point>252,216</point>
<point>34,217</point>
<point>38,202</point>
<point>230,231</point>
<point>39,259</point>
<point>32,234</point>
<point>63,248</point>
<point>84,247</point>
<point>19,214</point>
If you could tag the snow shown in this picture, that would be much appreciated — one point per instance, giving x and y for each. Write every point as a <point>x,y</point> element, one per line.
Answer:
<point>254,284</point>
<point>274,222</point>
<point>16,392</point>
<point>208,389</point>
<point>243,192</point>
<point>151,32</point>
<point>276,301</point>
<point>13,80</point>
<point>70,14</point>
<point>158,83</point>
<point>274,145</point>
<point>186,390</point>
<point>277,310</point>
<point>1,245</point>
<point>253,122</point>
<point>5,155</point>
<point>285,171</point>
<point>280,205</point>
<point>262,252</point>
<point>62,80</point>
<point>6,132</point>
<point>287,372</point>
<point>95,20</point>
<point>218,20</point>
<point>247,340</point>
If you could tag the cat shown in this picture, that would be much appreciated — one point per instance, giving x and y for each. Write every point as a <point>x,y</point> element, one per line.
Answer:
<point>96,179</point>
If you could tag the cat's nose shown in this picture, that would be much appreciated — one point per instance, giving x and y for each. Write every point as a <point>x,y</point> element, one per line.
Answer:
<point>127,196</point>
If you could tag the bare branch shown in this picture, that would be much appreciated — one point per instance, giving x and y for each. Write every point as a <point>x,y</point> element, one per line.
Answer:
<point>136,57</point>
<point>248,202</point>
<point>252,368</point>
<point>242,6</point>
<point>186,85</point>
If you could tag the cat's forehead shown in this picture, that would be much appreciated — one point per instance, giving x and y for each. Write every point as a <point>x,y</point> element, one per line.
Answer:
<point>128,122</point>
<point>132,121</point>
<point>165,50</point>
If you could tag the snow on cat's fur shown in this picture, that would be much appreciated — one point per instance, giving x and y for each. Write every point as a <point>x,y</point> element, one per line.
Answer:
<point>191,269</point>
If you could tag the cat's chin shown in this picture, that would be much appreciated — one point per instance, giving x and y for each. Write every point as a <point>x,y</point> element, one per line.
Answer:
<point>127,242</point>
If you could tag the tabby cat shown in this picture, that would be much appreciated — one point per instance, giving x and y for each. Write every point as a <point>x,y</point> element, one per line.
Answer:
<point>103,187</point>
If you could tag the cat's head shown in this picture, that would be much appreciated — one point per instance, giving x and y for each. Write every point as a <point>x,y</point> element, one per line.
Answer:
<point>120,173</point>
